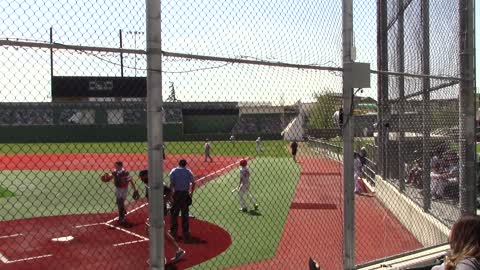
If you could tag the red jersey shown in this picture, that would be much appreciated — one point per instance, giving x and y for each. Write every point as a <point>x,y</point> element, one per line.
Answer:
<point>121,178</point>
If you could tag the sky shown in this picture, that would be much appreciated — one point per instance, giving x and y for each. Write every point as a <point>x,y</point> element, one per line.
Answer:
<point>293,31</point>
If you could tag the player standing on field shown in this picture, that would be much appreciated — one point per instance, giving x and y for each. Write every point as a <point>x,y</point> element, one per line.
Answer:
<point>243,187</point>
<point>258,141</point>
<point>207,148</point>
<point>294,148</point>
<point>121,180</point>
<point>181,179</point>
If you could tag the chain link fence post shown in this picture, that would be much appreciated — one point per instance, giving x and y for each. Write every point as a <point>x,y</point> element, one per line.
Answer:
<point>347,134</point>
<point>467,172</point>
<point>155,133</point>
<point>426,112</point>
<point>400,44</point>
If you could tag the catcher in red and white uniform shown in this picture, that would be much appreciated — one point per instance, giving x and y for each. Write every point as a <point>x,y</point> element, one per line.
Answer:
<point>121,180</point>
<point>243,187</point>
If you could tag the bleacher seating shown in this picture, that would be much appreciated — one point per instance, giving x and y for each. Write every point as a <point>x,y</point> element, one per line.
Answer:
<point>173,115</point>
<point>261,123</point>
<point>22,116</point>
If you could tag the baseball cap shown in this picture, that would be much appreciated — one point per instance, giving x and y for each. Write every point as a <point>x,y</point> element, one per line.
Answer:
<point>243,162</point>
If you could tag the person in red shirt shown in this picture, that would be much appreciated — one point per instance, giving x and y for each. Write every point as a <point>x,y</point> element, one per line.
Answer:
<point>121,180</point>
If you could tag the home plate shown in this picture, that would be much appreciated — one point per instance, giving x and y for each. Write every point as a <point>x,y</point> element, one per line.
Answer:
<point>63,239</point>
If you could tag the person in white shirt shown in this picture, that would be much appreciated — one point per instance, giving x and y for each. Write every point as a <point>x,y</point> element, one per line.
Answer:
<point>338,118</point>
<point>360,187</point>
<point>258,141</point>
<point>357,172</point>
<point>243,187</point>
<point>438,181</point>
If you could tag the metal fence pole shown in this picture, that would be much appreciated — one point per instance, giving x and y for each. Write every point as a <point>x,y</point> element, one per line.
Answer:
<point>348,196</point>
<point>426,130</point>
<point>120,35</point>
<point>401,95</point>
<point>154,133</point>
<point>382,89</point>
<point>467,153</point>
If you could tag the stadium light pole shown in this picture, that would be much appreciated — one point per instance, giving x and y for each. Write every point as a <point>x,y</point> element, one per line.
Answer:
<point>155,133</point>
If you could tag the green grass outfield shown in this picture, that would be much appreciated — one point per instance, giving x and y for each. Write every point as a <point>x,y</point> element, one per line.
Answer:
<point>219,148</point>
<point>254,236</point>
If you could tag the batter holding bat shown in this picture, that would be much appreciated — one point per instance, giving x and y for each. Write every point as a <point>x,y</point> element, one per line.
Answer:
<point>243,187</point>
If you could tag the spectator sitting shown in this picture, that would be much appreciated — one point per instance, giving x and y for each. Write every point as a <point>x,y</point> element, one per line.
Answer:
<point>439,181</point>
<point>415,175</point>
<point>464,240</point>
<point>451,173</point>
<point>451,165</point>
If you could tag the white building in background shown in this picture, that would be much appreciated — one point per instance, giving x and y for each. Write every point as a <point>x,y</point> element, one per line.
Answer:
<point>295,129</point>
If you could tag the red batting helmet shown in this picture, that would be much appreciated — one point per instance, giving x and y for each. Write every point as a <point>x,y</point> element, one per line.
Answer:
<point>243,162</point>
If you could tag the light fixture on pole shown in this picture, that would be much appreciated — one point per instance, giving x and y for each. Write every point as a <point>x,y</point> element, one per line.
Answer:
<point>135,33</point>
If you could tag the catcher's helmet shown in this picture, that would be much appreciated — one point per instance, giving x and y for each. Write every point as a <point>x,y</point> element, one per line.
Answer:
<point>243,162</point>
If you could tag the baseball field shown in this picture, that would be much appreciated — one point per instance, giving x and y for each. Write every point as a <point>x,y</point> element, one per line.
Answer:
<point>42,180</point>
<point>57,214</point>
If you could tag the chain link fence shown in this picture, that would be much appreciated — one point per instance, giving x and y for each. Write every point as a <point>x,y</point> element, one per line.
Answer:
<point>248,94</point>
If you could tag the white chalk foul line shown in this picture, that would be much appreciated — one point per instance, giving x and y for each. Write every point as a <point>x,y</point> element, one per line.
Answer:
<point>129,212</point>
<point>6,260</point>
<point>89,225</point>
<point>11,235</point>
<point>217,171</point>
<point>3,258</point>
<point>127,232</point>
<point>130,242</point>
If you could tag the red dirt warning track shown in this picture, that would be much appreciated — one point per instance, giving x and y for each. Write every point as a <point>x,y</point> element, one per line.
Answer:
<point>92,161</point>
<point>314,224</point>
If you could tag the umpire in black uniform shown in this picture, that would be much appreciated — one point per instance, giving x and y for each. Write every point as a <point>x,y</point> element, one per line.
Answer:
<point>181,179</point>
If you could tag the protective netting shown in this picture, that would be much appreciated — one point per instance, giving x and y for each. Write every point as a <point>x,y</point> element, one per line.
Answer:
<point>251,96</point>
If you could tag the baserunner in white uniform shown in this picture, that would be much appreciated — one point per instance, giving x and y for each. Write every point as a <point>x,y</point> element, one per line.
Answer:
<point>243,187</point>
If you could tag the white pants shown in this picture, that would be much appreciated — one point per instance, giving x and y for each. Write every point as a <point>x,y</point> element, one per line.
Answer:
<point>438,187</point>
<point>244,191</point>
<point>358,186</point>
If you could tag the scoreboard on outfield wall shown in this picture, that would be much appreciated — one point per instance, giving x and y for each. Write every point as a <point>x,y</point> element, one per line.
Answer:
<point>68,87</point>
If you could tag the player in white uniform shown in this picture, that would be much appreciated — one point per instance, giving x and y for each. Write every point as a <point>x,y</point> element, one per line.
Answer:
<point>259,144</point>
<point>244,185</point>
<point>207,148</point>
